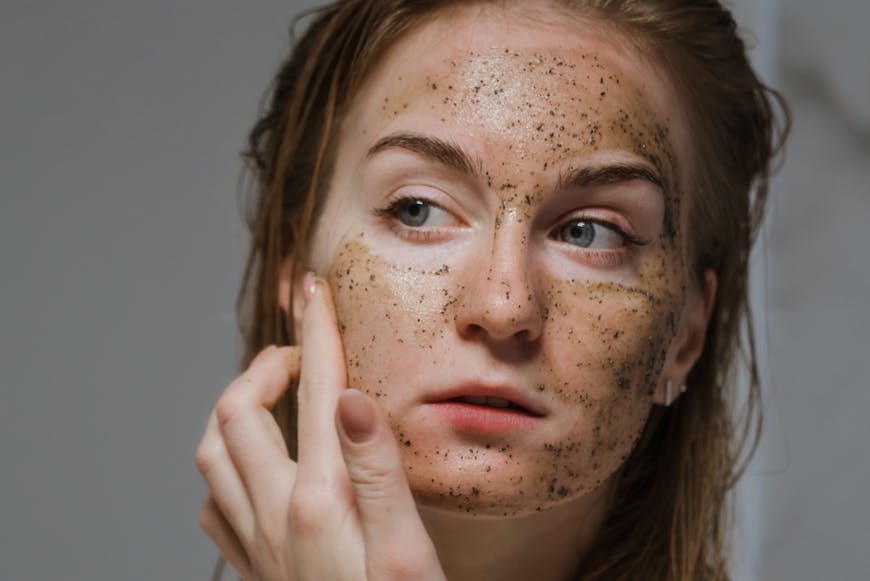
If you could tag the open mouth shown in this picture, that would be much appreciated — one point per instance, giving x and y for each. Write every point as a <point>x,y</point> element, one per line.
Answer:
<point>486,414</point>
<point>492,401</point>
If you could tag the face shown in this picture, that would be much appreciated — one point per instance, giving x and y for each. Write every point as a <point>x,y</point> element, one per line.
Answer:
<point>503,228</point>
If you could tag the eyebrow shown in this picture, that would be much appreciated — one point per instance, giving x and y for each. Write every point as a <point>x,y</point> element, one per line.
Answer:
<point>609,174</point>
<point>444,152</point>
<point>453,156</point>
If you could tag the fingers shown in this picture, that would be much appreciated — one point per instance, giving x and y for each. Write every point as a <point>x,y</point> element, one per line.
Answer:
<point>225,485</point>
<point>322,511</point>
<point>245,463</point>
<point>386,507</point>
<point>252,438</point>
<point>324,377</point>
<point>345,507</point>
<point>216,526</point>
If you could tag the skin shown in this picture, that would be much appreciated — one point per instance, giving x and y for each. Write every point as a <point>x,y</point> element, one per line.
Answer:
<point>488,291</point>
<point>492,294</point>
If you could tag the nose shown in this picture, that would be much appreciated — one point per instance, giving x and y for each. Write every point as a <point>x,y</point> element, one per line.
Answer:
<point>501,303</point>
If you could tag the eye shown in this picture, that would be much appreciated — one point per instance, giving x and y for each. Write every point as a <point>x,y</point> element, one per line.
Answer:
<point>413,212</point>
<point>416,213</point>
<point>590,234</point>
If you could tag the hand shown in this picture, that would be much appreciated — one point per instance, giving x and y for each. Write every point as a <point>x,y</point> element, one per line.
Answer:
<point>344,510</point>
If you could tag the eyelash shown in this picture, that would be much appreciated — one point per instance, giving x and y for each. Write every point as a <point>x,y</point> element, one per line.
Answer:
<point>604,258</point>
<point>629,239</point>
<point>608,258</point>
<point>389,215</point>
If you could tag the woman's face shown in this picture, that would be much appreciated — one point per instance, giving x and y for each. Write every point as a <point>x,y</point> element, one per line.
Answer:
<point>503,225</point>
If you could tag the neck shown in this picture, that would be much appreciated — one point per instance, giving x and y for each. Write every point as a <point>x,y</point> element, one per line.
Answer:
<point>541,545</point>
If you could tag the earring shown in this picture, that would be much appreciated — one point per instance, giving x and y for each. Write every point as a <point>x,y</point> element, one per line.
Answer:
<point>668,385</point>
<point>683,388</point>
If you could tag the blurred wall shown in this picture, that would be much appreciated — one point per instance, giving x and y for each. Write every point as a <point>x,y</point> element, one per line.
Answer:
<point>813,466</point>
<point>121,249</point>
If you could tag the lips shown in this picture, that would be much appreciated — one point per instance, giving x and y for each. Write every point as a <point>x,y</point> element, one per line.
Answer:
<point>490,401</point>
<point>506,398</point>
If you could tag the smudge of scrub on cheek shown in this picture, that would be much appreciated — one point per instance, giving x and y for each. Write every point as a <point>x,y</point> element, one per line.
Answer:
<point>382,304</point>
<point>603,344</point>
<point>394,319</point>
<point>607,347</point>
<point>606,344</point>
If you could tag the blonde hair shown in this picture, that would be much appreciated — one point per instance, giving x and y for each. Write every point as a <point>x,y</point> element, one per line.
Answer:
<point>670,516</point>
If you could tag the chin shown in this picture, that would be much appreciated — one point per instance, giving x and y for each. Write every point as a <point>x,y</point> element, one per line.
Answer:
<point>497,482</point>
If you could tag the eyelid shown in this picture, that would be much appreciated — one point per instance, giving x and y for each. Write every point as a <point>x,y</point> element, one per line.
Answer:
<point>603,258</point>
<point>388,215</point>
<point>413,192</point>
<point>607,218</point>
<point>612,230</point>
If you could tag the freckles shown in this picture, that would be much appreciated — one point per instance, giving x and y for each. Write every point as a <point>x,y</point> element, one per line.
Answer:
<point>613,342</point>
<point>386,319</point>
<point>608,360</point>
<point>546,109</point>
<point>521,96</point>
<point>399,298</point>
<point>636,336</point>
<point>369,313</point>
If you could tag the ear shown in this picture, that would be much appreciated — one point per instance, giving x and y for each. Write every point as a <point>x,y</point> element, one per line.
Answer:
<point>290,279</point>
<point>688,344</point>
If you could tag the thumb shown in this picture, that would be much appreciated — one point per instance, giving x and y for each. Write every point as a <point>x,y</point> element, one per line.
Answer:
<point>388,515</point>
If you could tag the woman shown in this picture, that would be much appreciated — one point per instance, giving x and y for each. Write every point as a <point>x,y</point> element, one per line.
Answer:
<point>520,231</point>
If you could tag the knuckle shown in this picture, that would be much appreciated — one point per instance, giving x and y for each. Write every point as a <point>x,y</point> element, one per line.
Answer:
<point>373,482</point>
<point>307,512</point>
<point>205,458</point>
<point>229,405</point>
<point>207,518</point>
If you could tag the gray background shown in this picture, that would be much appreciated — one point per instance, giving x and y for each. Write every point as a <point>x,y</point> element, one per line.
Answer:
<point>121,249</point>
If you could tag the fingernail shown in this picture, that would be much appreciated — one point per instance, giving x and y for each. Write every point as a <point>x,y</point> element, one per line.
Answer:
<point>357,416</point>
<point>309,286</point>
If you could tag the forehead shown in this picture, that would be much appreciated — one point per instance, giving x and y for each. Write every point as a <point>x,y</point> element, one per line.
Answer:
<point>548,88</point>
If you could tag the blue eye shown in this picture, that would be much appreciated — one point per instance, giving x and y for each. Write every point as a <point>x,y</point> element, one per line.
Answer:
<point>413,212</point>
<point>419,213</point>
<point>585,234</point>
<point>578,233</point>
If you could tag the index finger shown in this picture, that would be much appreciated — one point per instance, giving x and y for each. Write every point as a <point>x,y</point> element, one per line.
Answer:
<point>323,378</point>
<point>249,432</point>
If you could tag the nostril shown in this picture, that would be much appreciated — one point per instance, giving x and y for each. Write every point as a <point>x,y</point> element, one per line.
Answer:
<point>473,330</point>
<point>500,309</point>
<point>524,335</point>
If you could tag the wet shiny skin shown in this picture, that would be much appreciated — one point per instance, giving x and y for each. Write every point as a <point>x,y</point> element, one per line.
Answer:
<point>495,296</point>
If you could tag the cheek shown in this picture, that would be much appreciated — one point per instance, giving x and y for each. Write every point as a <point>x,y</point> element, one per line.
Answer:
<point>615,333</point>
<point>604,349</point>
<point>388,315</point>
<point>601,352</point>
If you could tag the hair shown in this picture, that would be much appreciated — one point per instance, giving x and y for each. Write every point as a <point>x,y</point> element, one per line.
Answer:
<point>670,517</point>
